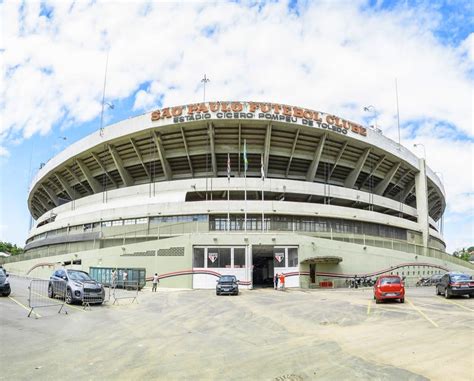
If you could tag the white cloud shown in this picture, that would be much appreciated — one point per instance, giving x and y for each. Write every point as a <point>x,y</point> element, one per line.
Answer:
<point>4,152</point>
<point>331,56</point>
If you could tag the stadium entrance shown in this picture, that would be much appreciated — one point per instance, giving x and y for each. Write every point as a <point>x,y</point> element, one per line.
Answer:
<point>263,266</point>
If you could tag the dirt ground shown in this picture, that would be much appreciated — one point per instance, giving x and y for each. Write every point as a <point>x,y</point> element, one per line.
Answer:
<point>259,335</point>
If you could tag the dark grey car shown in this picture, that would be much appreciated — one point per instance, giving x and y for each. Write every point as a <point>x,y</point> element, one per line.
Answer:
<point>454,283</point>
<point>227,284</point>
<point>4,283</point>
<point>75,286</point>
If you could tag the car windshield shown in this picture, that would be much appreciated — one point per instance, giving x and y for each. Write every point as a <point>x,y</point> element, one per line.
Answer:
<point>390,281</point>
<point>227,279</point>
<point>78,275</point>
<point>457,277</point>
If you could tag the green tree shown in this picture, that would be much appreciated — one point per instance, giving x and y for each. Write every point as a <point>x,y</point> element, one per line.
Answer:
<point>464,253</point>
<point>10,248</point>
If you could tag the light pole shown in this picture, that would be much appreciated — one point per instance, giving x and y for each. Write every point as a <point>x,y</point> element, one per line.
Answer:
<point>374,110</point>
<point>421,145</point>
<point>204,81</point>
<point>110,106</point>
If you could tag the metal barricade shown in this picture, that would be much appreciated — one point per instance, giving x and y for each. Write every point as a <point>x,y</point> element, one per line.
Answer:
<point>91,294</point>
<point>125,290</point>
<point>47,293</point>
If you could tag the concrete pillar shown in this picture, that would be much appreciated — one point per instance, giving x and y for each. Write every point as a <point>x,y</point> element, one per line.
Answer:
<point>421,189</point>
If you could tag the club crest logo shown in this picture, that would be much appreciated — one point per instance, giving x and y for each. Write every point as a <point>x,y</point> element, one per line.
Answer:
<point>279,257</point>
<point>212,257</point>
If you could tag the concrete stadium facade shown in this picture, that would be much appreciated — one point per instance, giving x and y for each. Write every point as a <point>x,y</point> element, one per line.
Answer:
<point>168,191</point>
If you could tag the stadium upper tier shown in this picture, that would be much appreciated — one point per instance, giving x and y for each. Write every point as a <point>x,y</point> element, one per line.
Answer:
<point>194,141</point>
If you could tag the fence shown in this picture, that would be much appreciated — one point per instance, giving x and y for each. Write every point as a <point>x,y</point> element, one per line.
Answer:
<point>125,290</point>
<point>47,293</point>
<point>105,276</point>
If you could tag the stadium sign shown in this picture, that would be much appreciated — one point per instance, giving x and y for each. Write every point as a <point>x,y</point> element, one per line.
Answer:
<point>257,110</point>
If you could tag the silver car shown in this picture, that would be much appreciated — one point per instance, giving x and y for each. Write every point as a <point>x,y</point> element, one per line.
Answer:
<point>75,286</point>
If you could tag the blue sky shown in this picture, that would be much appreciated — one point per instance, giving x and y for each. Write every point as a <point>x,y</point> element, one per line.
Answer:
<point>334,56</point>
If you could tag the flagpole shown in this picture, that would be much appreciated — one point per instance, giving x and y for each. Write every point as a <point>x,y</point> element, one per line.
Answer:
<point>245,184</point>
<point>263,199</point>
<point>228,192</point>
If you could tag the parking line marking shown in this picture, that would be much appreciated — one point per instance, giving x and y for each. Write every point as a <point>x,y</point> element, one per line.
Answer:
<point>22,305</point>
<point>44,297</point>
<point>368,307</point>
<point>460,305</point>
<point>422,314</point>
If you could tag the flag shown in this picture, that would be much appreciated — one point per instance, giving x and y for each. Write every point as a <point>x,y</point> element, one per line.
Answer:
<point>228,167</point>
<point>262,168</point>
<point>246,162</point>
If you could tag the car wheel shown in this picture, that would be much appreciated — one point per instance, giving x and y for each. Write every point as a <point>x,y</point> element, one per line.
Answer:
<point>217,293</point>
<point>377,301</point>
<point>402,300</point>
<point>68,296</point>
<point>447,295</point>
<point>50,291</point>
<point>6,293</point>
<point>437,290</point>
<point>375,298</point>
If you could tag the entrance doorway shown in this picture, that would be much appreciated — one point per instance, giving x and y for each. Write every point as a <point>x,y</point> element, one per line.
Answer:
<point>262,260</point>
<point>312,273</point>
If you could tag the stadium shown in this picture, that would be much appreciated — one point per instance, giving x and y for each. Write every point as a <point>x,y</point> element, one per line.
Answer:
<point>244,188</point>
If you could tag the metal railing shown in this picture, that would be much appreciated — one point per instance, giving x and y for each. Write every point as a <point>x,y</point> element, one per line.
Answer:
<point>125,290</point>
<point>180,228</point>
<point>47,293</point>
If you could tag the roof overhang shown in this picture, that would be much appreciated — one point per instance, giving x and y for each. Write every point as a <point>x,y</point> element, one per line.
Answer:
<point>331,259</point>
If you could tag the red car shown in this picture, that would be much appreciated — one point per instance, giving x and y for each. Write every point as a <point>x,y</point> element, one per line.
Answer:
<point>389,287</point>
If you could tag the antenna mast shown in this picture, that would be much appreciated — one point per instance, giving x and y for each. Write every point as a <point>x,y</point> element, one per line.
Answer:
<point>103,97</point>
<point>398,114</point>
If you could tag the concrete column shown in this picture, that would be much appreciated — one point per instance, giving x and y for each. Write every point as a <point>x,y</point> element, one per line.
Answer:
<point>421,189</point>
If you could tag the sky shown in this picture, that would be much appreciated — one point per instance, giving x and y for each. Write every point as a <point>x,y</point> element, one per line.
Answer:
<point>331,56</point>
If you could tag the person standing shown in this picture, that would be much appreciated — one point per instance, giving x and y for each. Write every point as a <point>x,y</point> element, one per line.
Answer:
<point>155,282</point>
<point>114,278</point>
<point>275,281</point>
<point>282,281</point>
<point>124,276</point>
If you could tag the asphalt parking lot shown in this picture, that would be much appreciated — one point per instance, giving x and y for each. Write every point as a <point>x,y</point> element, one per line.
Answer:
<point>259,335</point>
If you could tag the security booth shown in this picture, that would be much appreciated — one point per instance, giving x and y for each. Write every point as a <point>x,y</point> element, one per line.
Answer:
<point>318,266</point>
<point>104,275</point>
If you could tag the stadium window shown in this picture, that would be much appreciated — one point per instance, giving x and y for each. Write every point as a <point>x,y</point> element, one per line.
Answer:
<point>218,257</point>
<point>141,220</point>
<point>239,257</point>
<point>278,257</point>
<point>106,223</point>
<point>117,223</point>
<point>129,222</point>
<point>198,257</point>
<point>292,257</point>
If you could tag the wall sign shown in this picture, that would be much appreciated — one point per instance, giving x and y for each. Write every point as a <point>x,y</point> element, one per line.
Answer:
<point>260,111</point>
